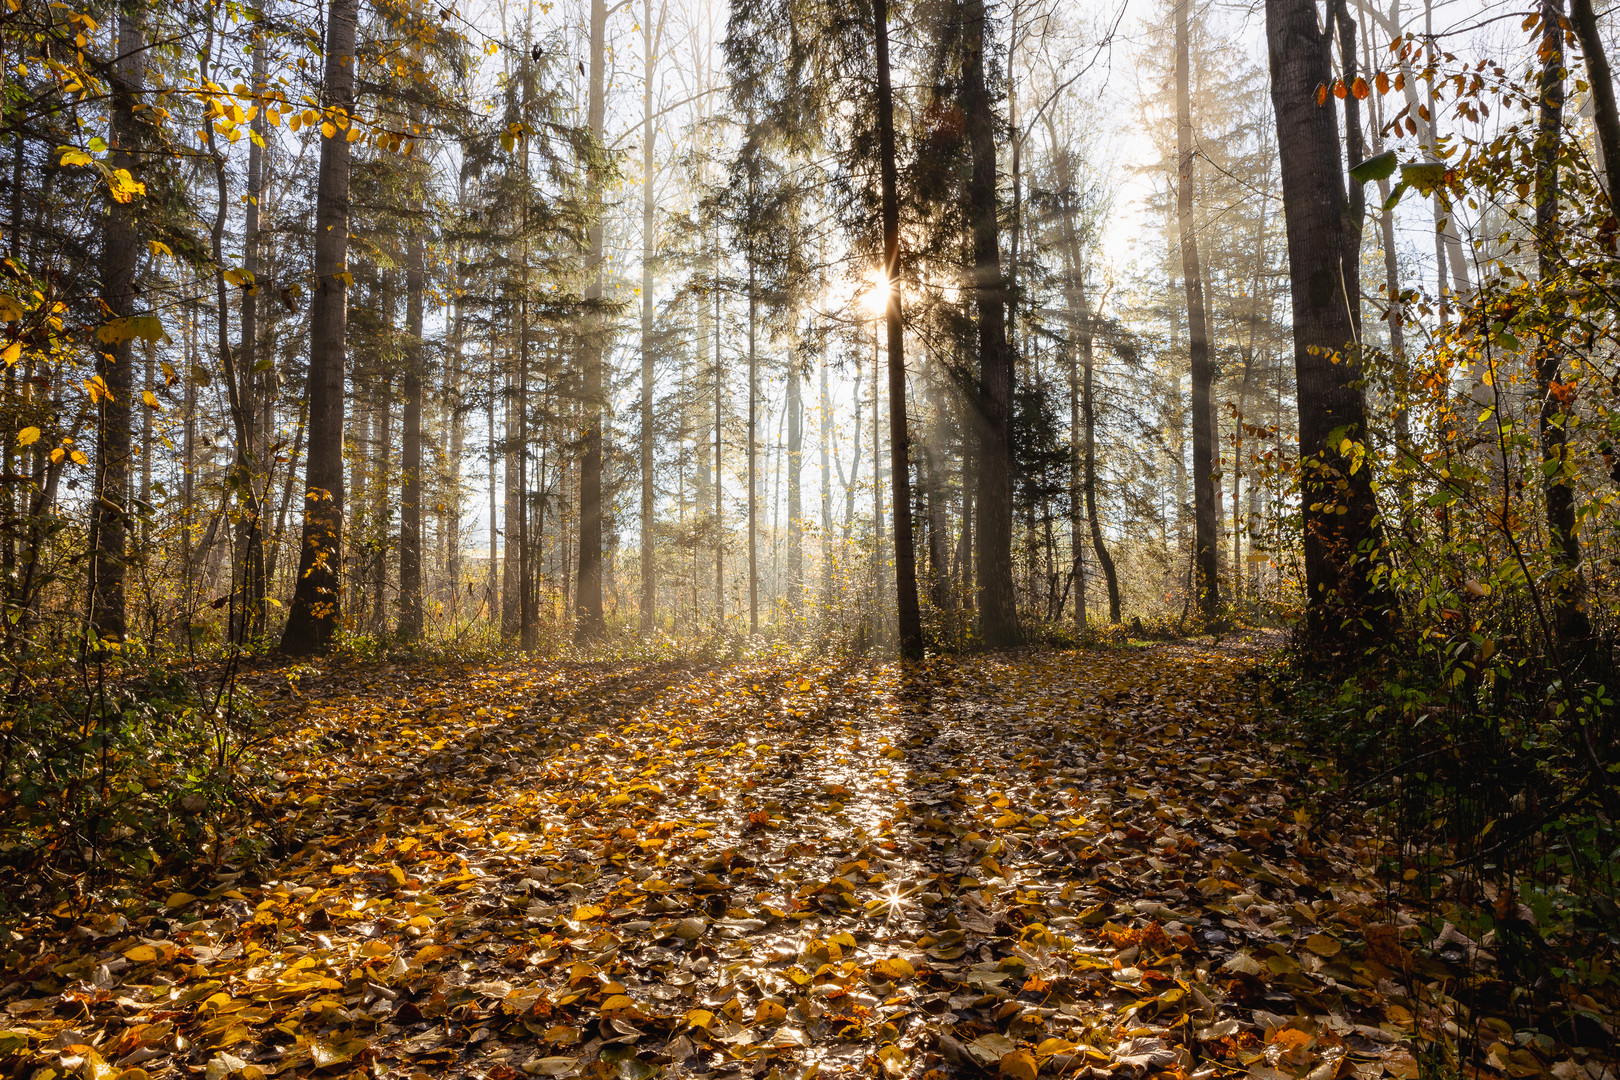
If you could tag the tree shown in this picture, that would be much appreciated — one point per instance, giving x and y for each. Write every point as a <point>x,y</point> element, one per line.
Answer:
<point>316,609</point>
<point>1342,535</point>
<point>998,614</point>
<point>1570,621</point>
<point>1206,497</point>
<point>905,557</point>
<point>588,605</point>
<point>410,504</point>
<point>120,251</point>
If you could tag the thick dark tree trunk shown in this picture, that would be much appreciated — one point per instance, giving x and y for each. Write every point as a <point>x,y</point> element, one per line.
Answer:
<point>1342,533</point>
<point>317,601</point>
<point>909,618</point>
<point>998,612</point>
<point>1570,621</point>
<point>1600,77</point>
<point>115,364</point>
<point>1206,490</point>
<point>588,603</point>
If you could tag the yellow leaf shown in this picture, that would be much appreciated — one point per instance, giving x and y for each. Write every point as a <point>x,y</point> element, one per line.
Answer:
<point>56,455</point>
<point>75,157</point>
<point>587,912</point>
<point>79,458</point>
<point>179,900</point>
<point>700,1018</point>
<point>428,953</point>
<point>895,969</point>
<point>324,1055</point>
<point>328,130</point>
<point>618,1003</point>
<point>28,436</point>
<point>1019,1065</point>
<point>1322,945</point>
<point>10,310</point>
<point>123,186</point>
<point>141,954</point>
<point>150,399</point>
<point>158,247</point>
<point>769,1012</point>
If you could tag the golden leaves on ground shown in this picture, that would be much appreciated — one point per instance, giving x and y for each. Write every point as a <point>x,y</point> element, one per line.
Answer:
<point>1039,864</point>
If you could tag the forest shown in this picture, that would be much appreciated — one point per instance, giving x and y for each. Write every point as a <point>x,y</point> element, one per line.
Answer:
<point>752,539</point>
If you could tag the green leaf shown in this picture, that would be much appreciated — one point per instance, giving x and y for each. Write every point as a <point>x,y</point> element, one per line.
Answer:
<point>1378,167</point>
<point>1424,175</point>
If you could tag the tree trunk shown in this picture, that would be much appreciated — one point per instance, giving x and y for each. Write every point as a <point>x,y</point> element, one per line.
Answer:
<point>1605,117</point>
<point>383,440</point>
<point>410,466</point>
<point>588,604</point>
<point>795,507</point>
<point>1355,149</point>
<point>259,387</point>
<point>998,613</point>
<point>753,435</point>
<point>1206,491</point>
<point>317,602</point>
<point>651,32</point>
<point>120,252</point>
<point>909,618</point>
<point>511,585</point>
<point>1342,535</point>
<point>719,457</point>
<point>1570,621</point>
<point>458,436</point>
<point>825,436</point>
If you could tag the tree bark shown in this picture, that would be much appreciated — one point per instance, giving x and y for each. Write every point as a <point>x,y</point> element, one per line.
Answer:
<point>1342,534</point>
<point>258,387</point>
<point>588,603</point>
<point>1570,621</point>
<point>317,609</point>
<point>651,31</point>
<point>795,506</point>
<point>115,364</point>
<point>908,616</point>
<point>753,430</point>
<point>1605,116</point>
<point>410,466</point>
<point>998,613</point>
<point>1206,492</point>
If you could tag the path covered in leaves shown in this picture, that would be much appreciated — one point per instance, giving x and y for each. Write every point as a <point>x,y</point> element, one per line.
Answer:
<point>1080,864</point>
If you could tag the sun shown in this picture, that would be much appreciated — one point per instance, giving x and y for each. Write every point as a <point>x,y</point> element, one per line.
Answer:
<point>876,300</point>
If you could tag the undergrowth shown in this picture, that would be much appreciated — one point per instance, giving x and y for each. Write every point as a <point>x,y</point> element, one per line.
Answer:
<point>1493,819</point>
<point>111,775</point>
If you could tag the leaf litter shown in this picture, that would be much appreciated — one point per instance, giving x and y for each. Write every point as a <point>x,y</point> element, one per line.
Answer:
<point>1089,864</point>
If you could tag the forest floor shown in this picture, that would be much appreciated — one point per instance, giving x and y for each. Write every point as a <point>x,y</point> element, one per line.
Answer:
<point>1096,863</point>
